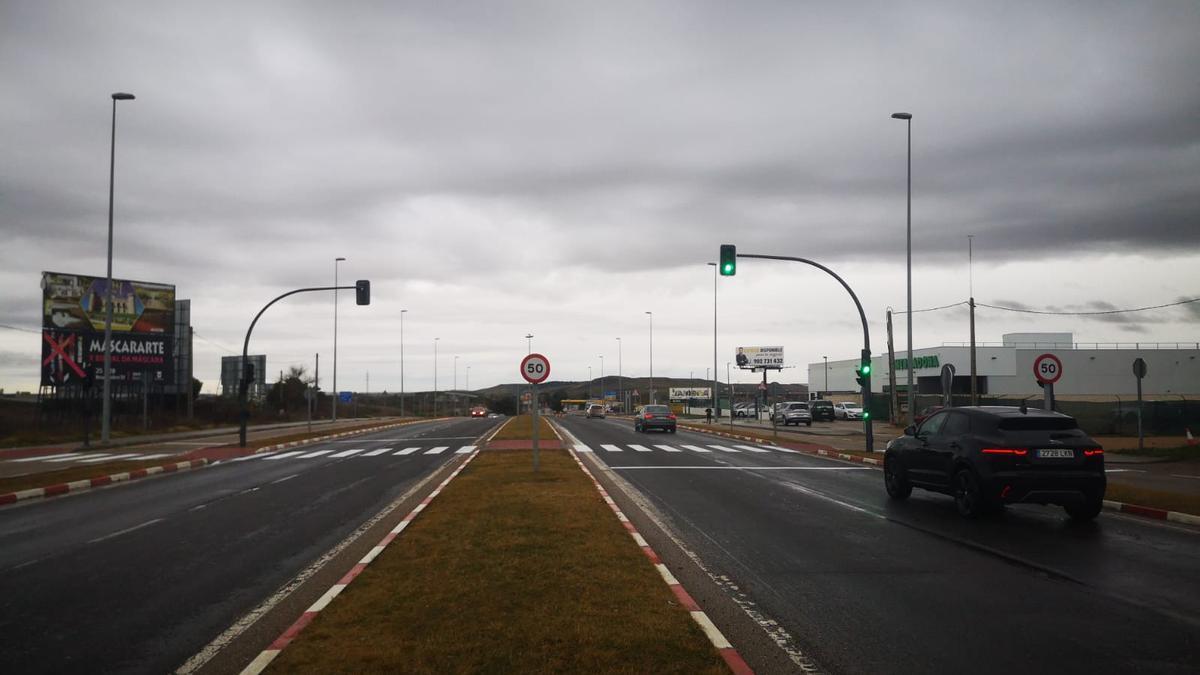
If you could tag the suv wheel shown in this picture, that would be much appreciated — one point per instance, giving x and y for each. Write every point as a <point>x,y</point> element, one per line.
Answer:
<point>967,495</point>
<point>896,481</point>
<point>1087,509</point>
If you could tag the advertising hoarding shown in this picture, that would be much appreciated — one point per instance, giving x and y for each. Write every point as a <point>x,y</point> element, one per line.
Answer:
<point>759,357</point>
<point>73,315</point>
<point>684,393</point>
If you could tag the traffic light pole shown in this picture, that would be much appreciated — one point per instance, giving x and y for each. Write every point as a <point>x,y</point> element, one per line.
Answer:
<point>247,369</point>
<point>866,352</point>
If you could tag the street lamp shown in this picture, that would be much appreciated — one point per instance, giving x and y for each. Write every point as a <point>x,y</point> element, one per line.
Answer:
<point>106,423</point>
<point>589,383</point>
<point>529,341</point>
<point>651,315</point>
<point>335,307</point>
<point>435,391</point>
<point>455,390</point>
<point>907,117</point>
<point>402,313</point>
<point>468,378</point>
<point>602,377</point>
<point>715,399</point>
<point>826,392</point>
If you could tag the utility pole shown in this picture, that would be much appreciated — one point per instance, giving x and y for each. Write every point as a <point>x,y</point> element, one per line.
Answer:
<point>971,290</point>
<point>895,402</point>
<point>402,313</point>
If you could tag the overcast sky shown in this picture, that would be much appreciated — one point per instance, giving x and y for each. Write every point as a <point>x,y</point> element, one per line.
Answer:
<point>561,168</point>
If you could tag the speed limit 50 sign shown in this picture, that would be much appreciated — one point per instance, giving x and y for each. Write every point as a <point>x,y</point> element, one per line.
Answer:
<point>1047,368</point>
<point>535,368</point>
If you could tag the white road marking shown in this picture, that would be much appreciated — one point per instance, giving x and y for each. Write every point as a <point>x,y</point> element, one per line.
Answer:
<point>281,455</point>
<point>1124,471</point>
<point>127,530</point>
<point>316,453</point>
<point>44,458</point>
<point>374,453</point>
<point>610,447</point>
<point>438,450</point>
<point>1181,475</point>
<point>93,460</point>
<point>696,448</point>
<point>76,456</point>
<point>157,455</point>
<point>580,447</point>
<point>640,448</point>
<point>751,448</point>
<point>408,451</point>
<point>466,449</point>
<point>280,480</point>
<point>722,448</point>
<point>347,453</point>
<point>754,468</point>
<point>668,448</point>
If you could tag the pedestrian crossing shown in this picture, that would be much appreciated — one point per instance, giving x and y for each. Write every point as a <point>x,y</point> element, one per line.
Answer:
<point>357,453</point>
<point>731,448</point>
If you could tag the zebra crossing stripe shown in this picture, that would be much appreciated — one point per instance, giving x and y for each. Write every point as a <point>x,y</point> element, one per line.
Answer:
<point>751,448</point>
<point>696,448</point>
<point>317,453</point>
<point>281,455</point>
<point>46,458</point>
<point>610,447</point>
<point>722,448</point>
<point>580,447</point>
<point>466,449</point>
<point>640,448</point>
<point>408,451</point>
<point>93,460</point>
<point>438,450</point>
<point>73,457</point>
<point>347,453</point>
<point>668,448</point>
<point>375,453</point>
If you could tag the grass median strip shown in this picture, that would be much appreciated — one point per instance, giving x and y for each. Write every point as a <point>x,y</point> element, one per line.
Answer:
<point>508,571</point>
<point>520,428</point>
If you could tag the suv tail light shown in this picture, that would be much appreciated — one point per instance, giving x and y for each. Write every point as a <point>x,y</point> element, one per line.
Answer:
<point>671,416</point>
<point>1019,452</point>
<point>649,416</point>
<point>1094,452</point>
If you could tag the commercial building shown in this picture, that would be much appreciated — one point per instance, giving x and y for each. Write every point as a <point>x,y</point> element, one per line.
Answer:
<point>1088,369</point>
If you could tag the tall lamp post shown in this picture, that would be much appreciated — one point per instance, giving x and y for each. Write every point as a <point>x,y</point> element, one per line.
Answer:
<point>620,382</point>
<point>435,391</point>
<point>529,341</point>
<point>826,391</point>
<point>468,387</point>
<point>106,422</point>
<point>651,315</point>
<point>907,117</point>
<point>335,307</point>
<point>402,313</point>
<point>529,346</point>
<point>715,400</point>
<point>454,405</point>
<point>602,378</point>
<point>589,383</point>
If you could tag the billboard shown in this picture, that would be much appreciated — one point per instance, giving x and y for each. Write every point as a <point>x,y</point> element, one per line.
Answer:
<point>73,315</point>
<point>683,393</point>
<point>759,357</point>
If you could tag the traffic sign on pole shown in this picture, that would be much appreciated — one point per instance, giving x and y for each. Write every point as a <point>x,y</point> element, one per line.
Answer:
<point>535,368</point>
<point>1047,368</point>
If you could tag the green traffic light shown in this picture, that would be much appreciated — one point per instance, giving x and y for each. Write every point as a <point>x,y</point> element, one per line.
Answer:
<point>866,369</point>
<point>728,260</point>
<point>866,415</point>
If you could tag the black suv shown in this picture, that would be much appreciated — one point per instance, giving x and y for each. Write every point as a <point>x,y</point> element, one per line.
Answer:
<point>989,456</point>
<point>654,417</point>
<point>821,410</point>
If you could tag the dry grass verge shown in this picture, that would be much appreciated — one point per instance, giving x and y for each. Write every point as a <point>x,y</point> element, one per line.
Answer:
<point>1159,499</point>
<point>520,428</point>
<point>508,571</point>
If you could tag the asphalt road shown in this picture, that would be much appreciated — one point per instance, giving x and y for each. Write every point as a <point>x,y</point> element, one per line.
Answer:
<point>865,585</point>
<point>139,577</point>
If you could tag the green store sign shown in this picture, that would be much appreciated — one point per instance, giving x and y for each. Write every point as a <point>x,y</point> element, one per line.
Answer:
<point>919,362</point>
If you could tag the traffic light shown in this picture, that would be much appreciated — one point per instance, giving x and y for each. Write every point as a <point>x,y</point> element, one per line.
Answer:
<point>248,369</point>
<point>362,291</point>
<point>728,262</point>
<point>864,380</point>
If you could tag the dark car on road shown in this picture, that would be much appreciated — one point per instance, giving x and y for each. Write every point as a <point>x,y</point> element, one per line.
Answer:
<point>821,410</point>
<point>654,417</point>
<point>926,412</point>
<point>989,456</point>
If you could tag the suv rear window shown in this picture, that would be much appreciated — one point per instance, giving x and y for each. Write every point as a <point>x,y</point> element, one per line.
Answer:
<point>822,404</point>
<point>1038,424</point>
<point>656,409</point>
<point>798,406</point>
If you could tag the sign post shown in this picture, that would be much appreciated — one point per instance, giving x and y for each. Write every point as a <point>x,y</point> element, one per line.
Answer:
<point>535,368</point>
<point>1139,371</point>
<point>948,385</point>
<point>1047,369</point>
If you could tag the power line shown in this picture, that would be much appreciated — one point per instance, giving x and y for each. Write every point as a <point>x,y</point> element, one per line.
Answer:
<point>218,346</point>
<point>24,330</point>
<point>934,309</point>
<point>1097,313</point>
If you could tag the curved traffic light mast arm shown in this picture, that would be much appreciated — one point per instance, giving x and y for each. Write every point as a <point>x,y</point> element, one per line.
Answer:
<point>866,353</point>
<point>244,382</point>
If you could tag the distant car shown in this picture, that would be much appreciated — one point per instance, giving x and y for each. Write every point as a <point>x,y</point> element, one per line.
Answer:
<point>493,416</point>
<point>821,410</point>
<point>988,456</point>
<point>654,417</point>
<point>847,411</point>
<point>479,411</point>
<point>793,412</point>
<point>746,410</point>
<point>595,410</point>
<point>926,412</point>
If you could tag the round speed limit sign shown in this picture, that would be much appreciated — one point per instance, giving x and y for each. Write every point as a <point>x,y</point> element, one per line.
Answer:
<point>535,368</point>
<point>1047,368</point>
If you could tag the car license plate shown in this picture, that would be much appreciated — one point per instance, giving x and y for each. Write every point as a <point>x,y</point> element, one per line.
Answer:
<point>1056,453</point>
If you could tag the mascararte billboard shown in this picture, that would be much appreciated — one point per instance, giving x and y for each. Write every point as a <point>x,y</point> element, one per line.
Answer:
<point>73,314</point>
<point>759,357</point>
<point>682,393</point>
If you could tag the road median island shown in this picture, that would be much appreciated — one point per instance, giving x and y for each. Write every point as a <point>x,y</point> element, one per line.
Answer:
<point>74,478</point>
<point>507,571</point>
